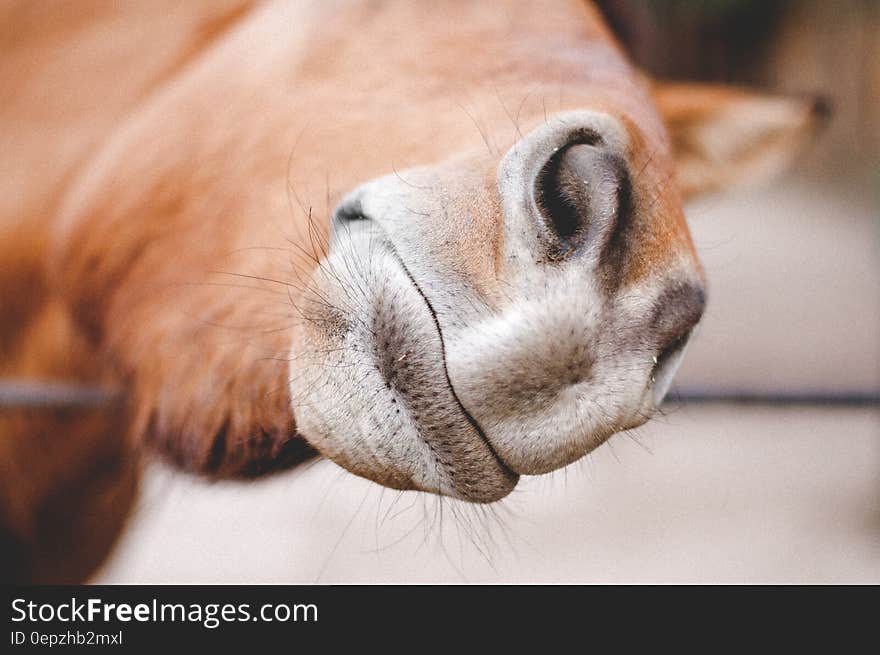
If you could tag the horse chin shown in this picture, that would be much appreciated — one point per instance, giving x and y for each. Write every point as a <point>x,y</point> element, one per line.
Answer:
<point>370,387</point>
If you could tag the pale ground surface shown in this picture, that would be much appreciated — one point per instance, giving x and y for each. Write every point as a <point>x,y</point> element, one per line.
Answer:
<point>705,494</point>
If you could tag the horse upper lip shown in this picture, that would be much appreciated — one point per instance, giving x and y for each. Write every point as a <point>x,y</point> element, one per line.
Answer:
<point>464,412</point>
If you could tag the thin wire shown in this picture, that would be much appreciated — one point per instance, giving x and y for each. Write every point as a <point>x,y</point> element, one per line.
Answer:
<point>36,394</point>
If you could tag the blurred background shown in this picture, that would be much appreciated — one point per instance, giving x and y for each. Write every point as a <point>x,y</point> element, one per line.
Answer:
<point>708,492</point>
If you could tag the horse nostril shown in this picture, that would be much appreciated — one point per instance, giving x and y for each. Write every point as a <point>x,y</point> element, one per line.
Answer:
<point>348,214</point>
<point>666,365</point>
<point>671,350</point>
<point>676,314</point>
<point>579,193</point>
<point>678,310</point>
<point>348,218</point>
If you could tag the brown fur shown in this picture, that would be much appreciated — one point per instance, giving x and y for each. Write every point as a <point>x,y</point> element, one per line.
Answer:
<point>171,170</point>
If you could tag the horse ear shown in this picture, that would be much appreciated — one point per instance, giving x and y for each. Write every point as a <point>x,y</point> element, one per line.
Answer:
<point>726,137</point>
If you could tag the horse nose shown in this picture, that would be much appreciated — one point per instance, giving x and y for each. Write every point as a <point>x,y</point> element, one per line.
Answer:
<point>676,314</point>
<point>580,193</point>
